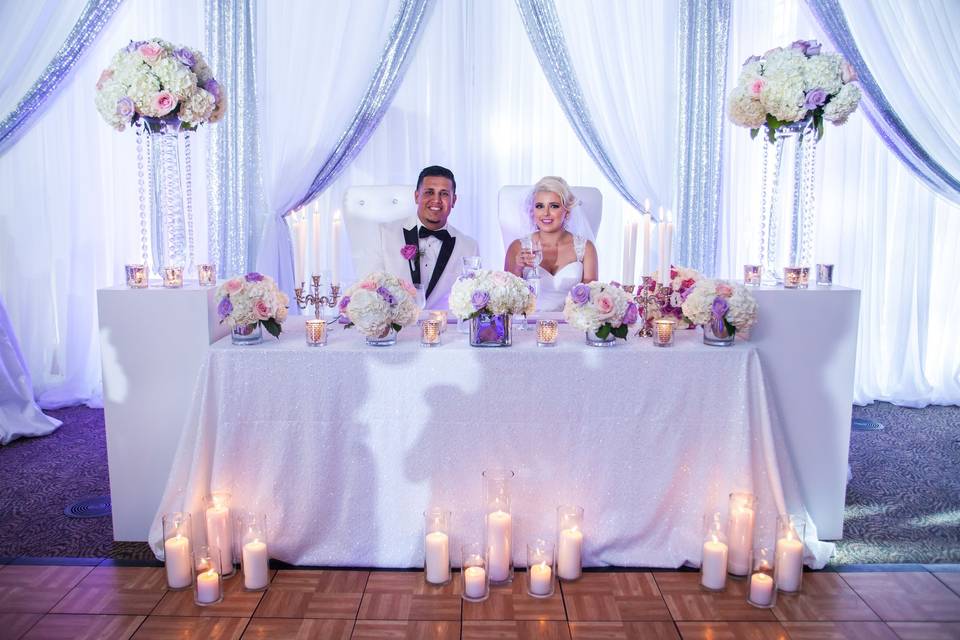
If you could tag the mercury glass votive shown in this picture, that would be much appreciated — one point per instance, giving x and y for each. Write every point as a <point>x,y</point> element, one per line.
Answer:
<point>208,577</point>
<point>762,589</point>
<point>430,333</point>
<point>791,277</point>
<point>172,277</point>
<point>804,277</point>
<point>664,332</point>
<point>206,275</point>
<point>547,331</point>
<point>137,276</point>
<point>824,275</point>
<point>441,317</point>
<point>316,333</point>
<point>751,275</point>
<point>540,568</point>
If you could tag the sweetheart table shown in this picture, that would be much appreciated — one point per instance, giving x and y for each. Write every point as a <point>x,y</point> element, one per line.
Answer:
<point>345,446</point>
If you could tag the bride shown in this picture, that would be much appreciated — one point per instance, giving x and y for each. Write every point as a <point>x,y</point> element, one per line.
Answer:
<point>560,250</point>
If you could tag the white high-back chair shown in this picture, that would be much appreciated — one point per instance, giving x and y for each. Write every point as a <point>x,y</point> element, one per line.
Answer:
<point>515,220</point>
<point>365,208</point>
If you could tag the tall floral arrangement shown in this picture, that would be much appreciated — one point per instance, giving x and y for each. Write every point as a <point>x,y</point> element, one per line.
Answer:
<point>600,308</point>
<point>669,304</point>
<point>492,292</point>
<point>794,83</point>
<point>252,299</point>
<point>721,301</point>
<point>157,79</point>
<point>380,302</point>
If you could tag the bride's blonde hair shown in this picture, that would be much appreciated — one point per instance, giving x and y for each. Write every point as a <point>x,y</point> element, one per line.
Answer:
<point>552,184</point>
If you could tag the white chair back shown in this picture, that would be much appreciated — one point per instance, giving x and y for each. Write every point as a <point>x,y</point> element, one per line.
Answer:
<point>365,208</point>
<point>515,219</point>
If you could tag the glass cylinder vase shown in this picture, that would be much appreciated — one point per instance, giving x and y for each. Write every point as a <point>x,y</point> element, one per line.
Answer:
<point>716,333</point>
<point>498,523</point>
<point>177,550</point>
<point>473,570</point>
<point>741,516</point>
<point>247,334</point>
<point>788,560</point>
<point>254,554</point>
<point>540,568</point>
<point>220,529</point>
<point>208,576</point>
<point>489,330</point>
<point>569,542</point>
<point>386,339</point>
<point>762,587</point>
<point>596,341</point>
<point>436,546</point>
<point>715,551</point>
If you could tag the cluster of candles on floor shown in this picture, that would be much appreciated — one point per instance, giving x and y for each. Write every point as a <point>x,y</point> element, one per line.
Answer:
<point>491,561</point>
<point>138,276</point>
<point>205,567</point>
<point>736,552</point>
<point>793,277</point>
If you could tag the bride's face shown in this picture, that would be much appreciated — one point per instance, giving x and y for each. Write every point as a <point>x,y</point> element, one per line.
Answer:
<point>549,214</point>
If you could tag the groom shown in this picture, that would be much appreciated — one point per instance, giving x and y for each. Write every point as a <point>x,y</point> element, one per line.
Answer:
<point>425,249</point>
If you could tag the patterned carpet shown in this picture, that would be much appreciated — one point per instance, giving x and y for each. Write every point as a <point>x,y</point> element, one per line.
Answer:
<point>903,504</point>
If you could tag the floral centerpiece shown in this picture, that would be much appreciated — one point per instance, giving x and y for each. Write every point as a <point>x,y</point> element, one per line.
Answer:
<point>604,311</point>
<point>792,84</point>
<point>668,302</point>
<point>247,303</point>
<point>157,79</point>
<point>489,299</point>
<point>379,306</point>
<point>723,308</point>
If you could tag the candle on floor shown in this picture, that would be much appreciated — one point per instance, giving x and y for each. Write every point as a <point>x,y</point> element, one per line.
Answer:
<point>177,552</point>
<point>541,580</point>
<point>761,589</point>
<point>540,559</point>
<point>498,540</point>
<point>256,565</point>
<point>173,277</point>
<point>569,542</point>
<point>208,587</point>
<point>713,560</point>
<point>220,529</point>
<point>742,512</point>
<point>498,524</point>
<point>436,546</point>
<point>788,556</point>
<point>475,582</point>
<point>209,582</point>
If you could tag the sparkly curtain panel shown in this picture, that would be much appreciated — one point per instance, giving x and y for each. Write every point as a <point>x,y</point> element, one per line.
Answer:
<point>880,112</point>
<point>94,17</point>
<point>546,36</point>
<point>704,31</point>
<point>390,71</point>
<point>234,191</point>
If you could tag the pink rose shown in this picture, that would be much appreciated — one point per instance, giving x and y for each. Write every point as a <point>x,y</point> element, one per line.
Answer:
<point>724,290</point>
<point>105,75</point>
<point>150,51</point>
<point>368,285</point>
<point>847,72</point>
<point>605,306</point>
<point>234,286</point>
<point>163,103</point>
<point>756,87</point>
<point>408,288</point>
<point>261,310</point>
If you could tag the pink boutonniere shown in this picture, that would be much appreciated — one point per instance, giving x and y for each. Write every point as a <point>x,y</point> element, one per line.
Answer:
<point>409,251</point>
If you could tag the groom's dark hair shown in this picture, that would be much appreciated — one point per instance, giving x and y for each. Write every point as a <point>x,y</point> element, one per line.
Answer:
<point>438,171</point>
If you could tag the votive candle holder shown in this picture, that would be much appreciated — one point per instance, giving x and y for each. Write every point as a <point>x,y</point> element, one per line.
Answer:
<point>714,554</point>
<point>137,276</point>
<point>791,277</point>
<point>804,277</point>
<point>207,275</point>
<point>254,553</point>
<point>436,546</point>
<point>762,587</point>
<point>751,275</point>
<point>569,542</point>
<point>441,318</point>
<point>429,333</point>
<point>473,571</point>
<point>541,568</point>
<point>208,576</point>
<point>172,277</point>
<point>316,332</point>
<point>220,529</point>
<point>788,553</point>
<point>824,275</point>
<point>741,516</point>
<point>547,331</point>
<point>177,550</point>
<point>498,524</point>
<point>663,336</point>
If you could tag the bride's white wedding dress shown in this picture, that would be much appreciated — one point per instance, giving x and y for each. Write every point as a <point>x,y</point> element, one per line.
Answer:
<point>555,286</point>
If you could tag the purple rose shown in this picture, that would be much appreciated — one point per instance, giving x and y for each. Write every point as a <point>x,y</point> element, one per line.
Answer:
<point>631,315</point>
<point>225,308</point>
<point>386,295</point>
<point>479,299</point>
<point>580,294</point>
<point>185,56</point>
<point>212,86</point>
<point>134,45</point>
<point>809,48</point>
<point>814,98</point>
<point>253,276</point>
<point>408,251</point>
<point>344,301</point>
<point>125,108</point>
<point>719,308</point>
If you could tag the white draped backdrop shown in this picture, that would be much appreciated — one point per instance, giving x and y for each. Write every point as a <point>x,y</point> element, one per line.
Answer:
<point>474,98</point>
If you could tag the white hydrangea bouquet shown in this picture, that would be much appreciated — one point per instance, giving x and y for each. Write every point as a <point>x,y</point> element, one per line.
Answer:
<point>491,292</point>
<point>792,84</point>
<point>156,79</point>
<point>250,300</point>
<point>601,309</point>
<point>380,302</point>
<point>728,305</point>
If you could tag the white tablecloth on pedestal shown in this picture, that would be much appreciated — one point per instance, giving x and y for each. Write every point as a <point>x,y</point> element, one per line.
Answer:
<point>345,446</point>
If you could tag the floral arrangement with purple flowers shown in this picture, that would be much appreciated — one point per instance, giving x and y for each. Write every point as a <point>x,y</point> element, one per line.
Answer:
<point>669,305</point>
<point>720,301</point>
<point>601,308</point>
<point>379,302</point>
<point>157,79</point>
<point>791,84</point>
<point>252,299</point>
<point>491,292</point>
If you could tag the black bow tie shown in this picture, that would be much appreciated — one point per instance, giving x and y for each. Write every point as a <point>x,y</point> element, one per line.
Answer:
<point>443,235</point>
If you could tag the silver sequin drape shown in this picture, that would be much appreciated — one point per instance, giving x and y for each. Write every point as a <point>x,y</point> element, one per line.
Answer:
<point>880,112</point>
<point>704,32</point>
<point>235,199</point>
<point>93,18</point>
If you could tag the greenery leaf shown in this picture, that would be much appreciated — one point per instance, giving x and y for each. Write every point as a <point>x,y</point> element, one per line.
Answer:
<point>272,327</point>
<point>621,332</point>
<point>754,132</point>
<point>603,332</point>
<point>732,330</point>
<point>395,327</point>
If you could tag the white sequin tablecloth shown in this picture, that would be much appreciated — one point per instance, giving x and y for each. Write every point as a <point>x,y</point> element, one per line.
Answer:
<point>346,445</point>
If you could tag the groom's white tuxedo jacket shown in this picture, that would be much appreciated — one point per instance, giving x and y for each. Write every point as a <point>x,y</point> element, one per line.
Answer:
<point>437,278</point>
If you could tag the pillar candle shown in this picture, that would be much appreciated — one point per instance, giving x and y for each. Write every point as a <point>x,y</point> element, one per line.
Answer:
<point>300,242</point>
<point>789,563</point>
<point>315,244</point>
<point>628,248</point>
<point>645,269</point>
<point>740,539</point>
<point>569,554</point>
<point>475,582</point>
<point>498,542</point>
<point>713,569</point>
<point>220,535</point>
<point>540,576</point>
<point>335,253</point>
<point>437,549</point>
<point>176,554</point>
<point>208,586</point>
<point>256,568</point>
<point>662,246</point>
<point>669,248</point>
<point>761,588</point>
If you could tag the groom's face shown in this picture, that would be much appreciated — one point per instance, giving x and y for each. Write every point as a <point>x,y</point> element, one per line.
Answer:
<point>435,198</point>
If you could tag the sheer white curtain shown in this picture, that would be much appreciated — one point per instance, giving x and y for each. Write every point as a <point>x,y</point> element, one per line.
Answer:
<point>887,233</point>
<point>69,220</point>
